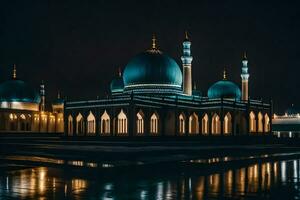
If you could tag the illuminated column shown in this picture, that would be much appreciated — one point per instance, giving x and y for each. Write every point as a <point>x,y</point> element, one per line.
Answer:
<point>187,66</point>
<point>245,77</point>
<point>42,93</point>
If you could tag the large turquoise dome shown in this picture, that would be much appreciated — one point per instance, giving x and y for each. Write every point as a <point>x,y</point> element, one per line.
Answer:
<point>18,91</point>
<point>152,71</point>
<point>224,89</point>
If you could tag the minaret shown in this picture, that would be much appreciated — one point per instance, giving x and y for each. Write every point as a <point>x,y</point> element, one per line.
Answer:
<point>187,66</point>
<point>245,76</point>
<point>42,93</point>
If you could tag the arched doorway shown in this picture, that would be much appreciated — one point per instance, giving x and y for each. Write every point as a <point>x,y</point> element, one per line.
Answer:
<point>91,125</point>
<point>105,123</point>
<point>227,125</point>
<point>122,123</point>
<point>205,124</point>
<point>154,119</point>
<point>252,122</point>
<point>267,123</point>
<point>216,125</point>
<point>193,124</point>
<point>260,123</point>
<point>70,125</point>
<point>181,120</point>
<point>140,123</point>
<point>79,125</point>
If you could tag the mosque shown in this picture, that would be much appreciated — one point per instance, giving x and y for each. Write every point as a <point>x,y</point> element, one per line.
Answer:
<point>154,97</point>
<point>22,109</point>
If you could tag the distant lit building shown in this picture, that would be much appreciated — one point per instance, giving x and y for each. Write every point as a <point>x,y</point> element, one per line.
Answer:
<point>22,109</point>
<point>287,125</point>
<point>155,97</point>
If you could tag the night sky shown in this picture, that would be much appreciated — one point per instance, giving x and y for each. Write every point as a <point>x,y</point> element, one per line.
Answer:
<point>77,47</point>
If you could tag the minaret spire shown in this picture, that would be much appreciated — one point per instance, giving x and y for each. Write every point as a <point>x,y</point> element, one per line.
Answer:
<point>224,74</point>
<point>43,98</point>
<point>14,75</point>
<point>119,72</point>
<point>187,59</point>
<point>153,41</point>
<point>245,78</point>
<point>186,35</point>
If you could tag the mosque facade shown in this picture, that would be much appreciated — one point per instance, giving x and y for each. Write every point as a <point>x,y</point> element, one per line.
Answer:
<point>22,109</point>
<point>154,97</point>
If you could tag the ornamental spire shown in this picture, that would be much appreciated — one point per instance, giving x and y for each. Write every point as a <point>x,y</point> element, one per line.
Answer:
<point>153,41</point>
<point>245,55</point>
<point>14,72</point>
<point>58,94</point>
<point>224,74</point>
<point>119,72</point>
<point>186,35</point>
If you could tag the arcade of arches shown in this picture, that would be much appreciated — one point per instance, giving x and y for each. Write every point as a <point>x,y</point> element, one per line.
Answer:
<point>187,124</point>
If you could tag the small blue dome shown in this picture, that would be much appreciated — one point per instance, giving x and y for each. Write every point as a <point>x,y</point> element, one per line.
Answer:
<point>224,89</point>
<point>292,110</point>
<point>117,85</point>
<point>152,71</point>
<point>18,91</point>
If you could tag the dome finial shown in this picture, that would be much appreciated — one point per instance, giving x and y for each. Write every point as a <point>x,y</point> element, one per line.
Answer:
<point>153,41</point>
<point>119,72</point>
<point>186,35</point>
<point>245,55</point>
<point>14,71</point>
<point>58,94</point>
<point>224,74</point>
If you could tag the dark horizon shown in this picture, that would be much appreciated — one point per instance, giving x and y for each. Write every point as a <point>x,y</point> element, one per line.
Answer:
<point>76,48</point>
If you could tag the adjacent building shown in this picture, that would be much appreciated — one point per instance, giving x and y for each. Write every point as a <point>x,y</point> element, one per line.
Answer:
<point>288,124</point>
<point>22,108</point>
<point>154,97</point>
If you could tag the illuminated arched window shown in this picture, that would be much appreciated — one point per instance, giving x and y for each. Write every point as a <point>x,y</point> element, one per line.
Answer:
<point>79,124</point>
<point>140,123</point>
<point>105,123</point>
<point>205,124</point>
<point>154,123</point>
<point>181,119</point>
<point>193,124</point>
<point>122,123</point>
<point>215,125</point>
<point>227,125</point>
<point>260,122</point>
<point>267,123</point>
<point>252,122</point>
<point>70,125</point>
<point>91,125</point>
<point>13,122</point>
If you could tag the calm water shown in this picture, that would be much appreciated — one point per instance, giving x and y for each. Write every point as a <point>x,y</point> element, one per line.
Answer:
<point>263,180</point>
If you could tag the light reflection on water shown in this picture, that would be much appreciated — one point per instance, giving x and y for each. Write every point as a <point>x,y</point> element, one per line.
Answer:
<point>262,180</point>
